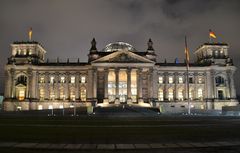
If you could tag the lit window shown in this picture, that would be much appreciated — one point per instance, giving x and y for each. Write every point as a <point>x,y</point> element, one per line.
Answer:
<point>52,95</point>
<point>72,95</point>
<point>62,79</point>
<point>41,79</point>
<point>191,94</point>
<point>21,95</point>
<point>61,93</point>
<point>41,94</point>
<point>160,95</point>
<point>200,93</point>
<point>51,79</point>
<point>170,94</point>
<point>83,79</point>
<point>160,79</point>
<point>111,86</point>
<point>180,95</point>
<point>200,80</point>
<point>72,79</point>
<point>170,79</point>
<point>40,107</point>
<point>50,107</point>
<point>83,94</point>
<point>30,52</point>
<point>134,85</point>
<point>180,79</point>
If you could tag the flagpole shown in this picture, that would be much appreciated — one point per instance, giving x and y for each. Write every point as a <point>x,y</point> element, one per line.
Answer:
<point>187,80</point>
<point>210,40</point>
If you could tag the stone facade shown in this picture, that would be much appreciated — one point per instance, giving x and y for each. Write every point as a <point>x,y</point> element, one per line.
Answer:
<point>118,75</point>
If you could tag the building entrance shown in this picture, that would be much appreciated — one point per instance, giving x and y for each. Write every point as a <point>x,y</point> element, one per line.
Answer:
<point>122,86</point>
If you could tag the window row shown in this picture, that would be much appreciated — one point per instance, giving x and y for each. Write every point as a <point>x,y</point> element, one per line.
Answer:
<point>62,96</point>
<point>62,79</point>
<point>180,79</point>
<point>180,94</point>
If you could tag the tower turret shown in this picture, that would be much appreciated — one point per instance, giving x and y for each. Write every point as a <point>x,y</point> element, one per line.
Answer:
<point>29,52</point>
<point>150,51</point>
<point>213,53</point>
<point>93,51</point>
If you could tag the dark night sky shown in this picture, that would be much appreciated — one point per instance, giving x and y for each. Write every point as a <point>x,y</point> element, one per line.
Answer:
<point>66,27</point>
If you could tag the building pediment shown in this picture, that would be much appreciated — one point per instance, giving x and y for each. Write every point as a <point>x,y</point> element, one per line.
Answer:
<point>20,85</point>
<point>122,57</point>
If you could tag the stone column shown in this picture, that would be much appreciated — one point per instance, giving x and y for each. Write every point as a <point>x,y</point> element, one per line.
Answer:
<point>106,71</point>
<point>29,83</point>
<point>129,94</point>
<point>95,83</point>
<point>77,90</point>
<point>155,84</point>
<point>139,85</point>
<point>117,82</point>
<point>232,85</point>
<point>34,85</point>
<point>213,85</point>
<point>8,84</point>
<point>90,84</point>
<point>150,84</point>
<point>46,85</point>
<point>208,85</point>
<point>195,85</point>
<point>175,96</point>
<point>56,86</point>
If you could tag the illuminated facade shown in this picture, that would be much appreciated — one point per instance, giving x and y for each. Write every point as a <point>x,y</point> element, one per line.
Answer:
<point>118,74</point>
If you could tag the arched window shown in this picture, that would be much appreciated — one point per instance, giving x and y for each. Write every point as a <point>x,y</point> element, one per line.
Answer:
<point>160,94</point>
<point>83,94</point>
<point>61,94</point>
<point>180,94</point>
<point>219,81</point>
<point>72,95</point>
<point>22,79</point>
<point>111,86</point>
<point>21,86</point>
<point>170,94</point>
<point>200,93</point>
<point>41,94</point>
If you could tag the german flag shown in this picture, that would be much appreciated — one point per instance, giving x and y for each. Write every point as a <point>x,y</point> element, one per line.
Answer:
<point>212,34</point>
<point>30,34</point>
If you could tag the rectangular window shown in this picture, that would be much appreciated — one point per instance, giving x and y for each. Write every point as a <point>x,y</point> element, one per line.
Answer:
<point>180,95</point>
<point>62,79</point>
<point>200,93</point>
<point>170,79</point>
<point>160,79</point>
<point>83,79</point>
<point>170,94</point>
<point>160,95</point>
<point>41,80</point>
<point>180,79</point>
<point>51,79</point>
<point>200,80</point>
<point>41,94</point>
<point>190,80</point>
<point>72,79</point>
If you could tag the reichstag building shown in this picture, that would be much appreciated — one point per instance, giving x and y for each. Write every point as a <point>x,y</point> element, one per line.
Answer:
<point>118,74</point>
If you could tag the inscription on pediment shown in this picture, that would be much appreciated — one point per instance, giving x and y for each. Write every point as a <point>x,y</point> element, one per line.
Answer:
<point>123,58</point>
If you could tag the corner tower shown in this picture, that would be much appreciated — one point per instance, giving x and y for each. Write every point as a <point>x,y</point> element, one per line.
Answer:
<point>213,54</point>
<point>29,52</point>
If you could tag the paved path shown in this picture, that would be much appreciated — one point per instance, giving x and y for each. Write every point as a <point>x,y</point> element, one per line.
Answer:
<point>117,146</point>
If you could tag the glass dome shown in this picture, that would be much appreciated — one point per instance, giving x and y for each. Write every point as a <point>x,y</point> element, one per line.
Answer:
<point>117,46</point>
